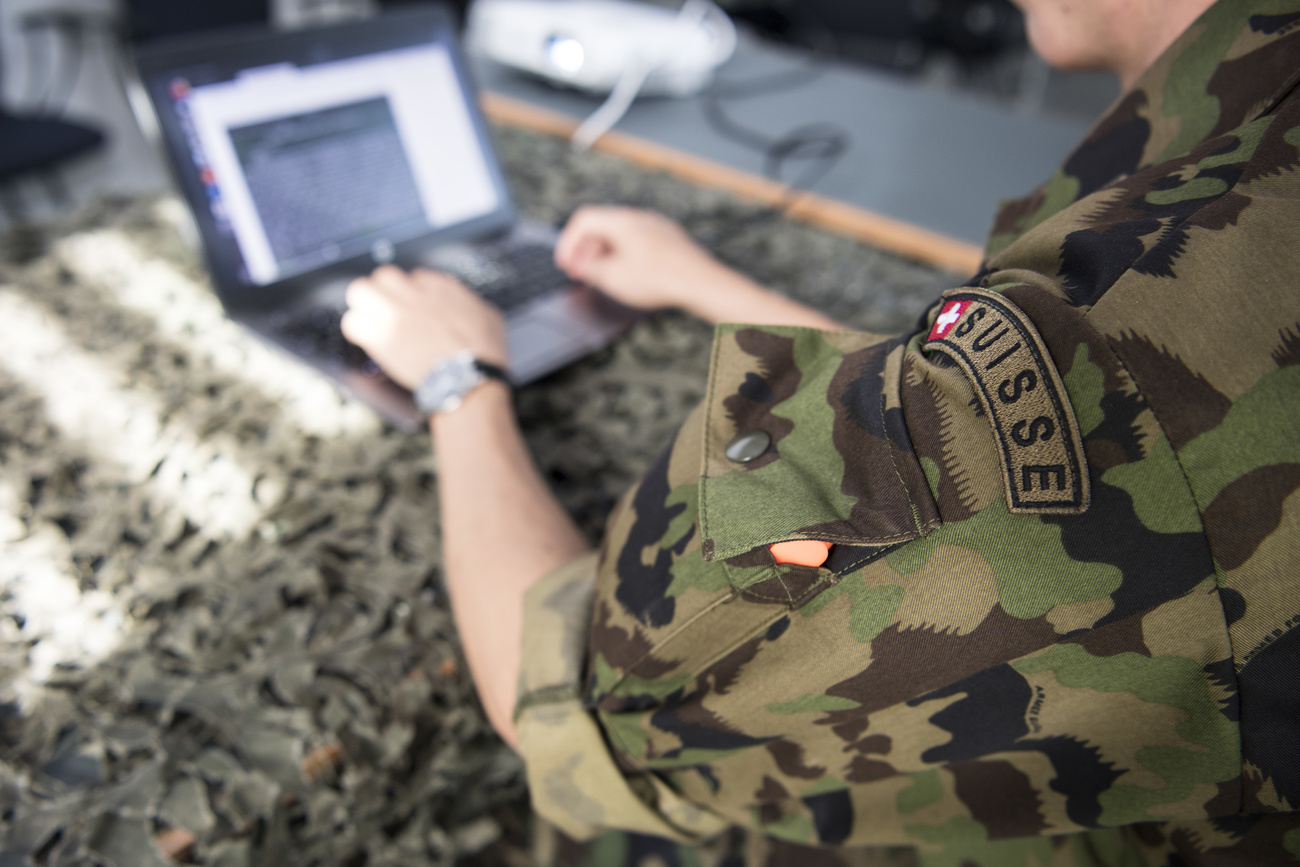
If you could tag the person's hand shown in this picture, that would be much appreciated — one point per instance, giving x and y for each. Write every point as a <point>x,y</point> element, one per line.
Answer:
<point>645,260</point>
<point>408,322</point>
<point>640,258</point>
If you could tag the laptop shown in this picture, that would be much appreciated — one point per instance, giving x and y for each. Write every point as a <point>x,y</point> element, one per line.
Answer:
<point>310,157</point>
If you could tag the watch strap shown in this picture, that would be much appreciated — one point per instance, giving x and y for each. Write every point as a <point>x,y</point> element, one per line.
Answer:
<point>452,379</point>
<point>491,371</point>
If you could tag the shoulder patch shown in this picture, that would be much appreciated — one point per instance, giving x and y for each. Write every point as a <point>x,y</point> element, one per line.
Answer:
<point>1043,464</point>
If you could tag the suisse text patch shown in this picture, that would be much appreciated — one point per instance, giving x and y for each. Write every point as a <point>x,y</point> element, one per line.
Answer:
<point>1043,464</point>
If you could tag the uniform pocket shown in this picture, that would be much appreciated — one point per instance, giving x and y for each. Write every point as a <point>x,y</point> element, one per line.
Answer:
<point>804,438</point>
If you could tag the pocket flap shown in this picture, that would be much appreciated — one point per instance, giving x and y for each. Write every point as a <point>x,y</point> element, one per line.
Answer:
<point>804,438</point>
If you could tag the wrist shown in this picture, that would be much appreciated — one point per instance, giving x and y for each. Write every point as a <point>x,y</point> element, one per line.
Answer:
<point>479,412</point>
<point>452,378</point>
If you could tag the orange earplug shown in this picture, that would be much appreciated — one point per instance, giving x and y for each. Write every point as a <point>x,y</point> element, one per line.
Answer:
<point>801,552</point>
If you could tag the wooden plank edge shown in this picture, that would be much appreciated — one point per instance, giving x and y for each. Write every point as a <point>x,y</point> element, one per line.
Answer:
<point>896,236</point>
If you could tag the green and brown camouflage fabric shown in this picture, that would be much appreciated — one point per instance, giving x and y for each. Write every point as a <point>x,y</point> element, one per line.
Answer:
<point>975,673</point>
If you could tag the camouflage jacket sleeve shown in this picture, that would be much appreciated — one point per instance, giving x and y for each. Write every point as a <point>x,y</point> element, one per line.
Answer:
<point>1062,588</point>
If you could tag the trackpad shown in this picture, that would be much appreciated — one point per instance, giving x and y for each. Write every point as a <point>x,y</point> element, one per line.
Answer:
<point>560,329</point>
<point>535,344</point>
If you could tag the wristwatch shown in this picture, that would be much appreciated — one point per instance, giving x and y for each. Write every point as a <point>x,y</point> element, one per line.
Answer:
<point>454,377</point>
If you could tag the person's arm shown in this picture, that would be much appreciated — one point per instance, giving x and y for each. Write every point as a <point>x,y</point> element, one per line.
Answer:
<point>645,260</point>
<point>502,529</point>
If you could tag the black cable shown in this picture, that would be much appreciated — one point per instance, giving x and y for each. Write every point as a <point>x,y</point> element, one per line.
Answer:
<point>821,145</point>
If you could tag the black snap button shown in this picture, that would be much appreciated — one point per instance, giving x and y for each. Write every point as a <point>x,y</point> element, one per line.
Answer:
<point>748,446</point>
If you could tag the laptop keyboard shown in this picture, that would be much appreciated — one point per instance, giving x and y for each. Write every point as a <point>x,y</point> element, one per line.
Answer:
<point>318,335</point>
<point>511,276</point>
<point>507,279</point>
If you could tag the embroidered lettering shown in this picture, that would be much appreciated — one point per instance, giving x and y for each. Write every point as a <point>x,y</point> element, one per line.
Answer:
<point>1044,475</point>
<point>1011,389</point>
<point>1040,428</point>
<point>1040,696</point>
<point>1003,357</point>
<point>984,342</point>
<point>969,323</point>
<point>1044,466</point>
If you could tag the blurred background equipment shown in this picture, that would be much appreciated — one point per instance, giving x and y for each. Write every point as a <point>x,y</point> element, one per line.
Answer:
<point>923,94</point>
<point>616,47</point>
<point>148,20</point>
<point>593,44</point>
<point>35,140</point>
<point>899,34</point>
<point>36,146</point>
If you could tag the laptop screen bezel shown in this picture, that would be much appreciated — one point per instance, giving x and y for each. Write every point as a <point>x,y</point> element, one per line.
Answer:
<point>232,50</point>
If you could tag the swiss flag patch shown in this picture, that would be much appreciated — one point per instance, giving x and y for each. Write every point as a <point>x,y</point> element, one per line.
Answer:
<point>948,317</point>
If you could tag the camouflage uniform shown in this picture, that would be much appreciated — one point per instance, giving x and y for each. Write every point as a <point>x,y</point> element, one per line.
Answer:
<point>1058,623</point>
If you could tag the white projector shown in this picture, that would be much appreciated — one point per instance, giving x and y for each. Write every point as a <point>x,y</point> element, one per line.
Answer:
<point>593,44</point>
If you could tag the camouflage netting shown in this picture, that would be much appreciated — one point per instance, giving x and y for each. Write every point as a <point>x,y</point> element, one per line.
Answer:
<point>223,634</point>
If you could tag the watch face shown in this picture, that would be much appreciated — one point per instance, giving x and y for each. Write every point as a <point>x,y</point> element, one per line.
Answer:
<point>447,385</point>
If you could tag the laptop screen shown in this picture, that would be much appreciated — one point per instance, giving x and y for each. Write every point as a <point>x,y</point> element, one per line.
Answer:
<point>310,160</point>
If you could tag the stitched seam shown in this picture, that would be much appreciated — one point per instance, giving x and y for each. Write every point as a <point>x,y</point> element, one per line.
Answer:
<point>708,436</point>
<point>759,597</point>
<point>789,597</point>
<point>853,540</point>
<point>822,584</point>
<point>1279,96</point>
<point>775,597</point>
<point>667,639</point>
<point>768,574</point>
<point>780,579</point>
<point>869,558</point>
<point>1200,517</point>
<point>546,695</point>
<point>1191,489</point>
<point>704,666</point>
<point>893,463</point>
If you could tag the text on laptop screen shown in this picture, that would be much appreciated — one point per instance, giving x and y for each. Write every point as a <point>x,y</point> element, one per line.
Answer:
<point>306,165</point>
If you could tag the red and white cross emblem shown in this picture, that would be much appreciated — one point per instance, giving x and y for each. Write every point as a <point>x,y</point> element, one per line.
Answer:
<point>948,317</point>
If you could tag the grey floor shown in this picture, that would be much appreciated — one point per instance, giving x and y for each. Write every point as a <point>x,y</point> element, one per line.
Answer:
<point>935,149</point>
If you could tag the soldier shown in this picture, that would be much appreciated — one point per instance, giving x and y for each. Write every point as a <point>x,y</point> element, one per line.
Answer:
<point>1019,587</point>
